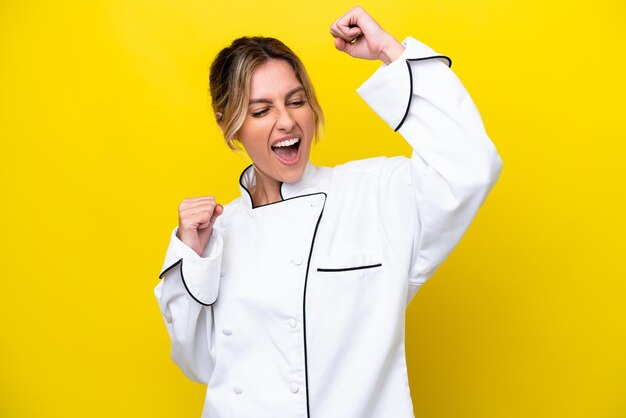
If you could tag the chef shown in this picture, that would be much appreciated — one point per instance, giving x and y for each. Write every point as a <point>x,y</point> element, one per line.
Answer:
<point>290,300</point>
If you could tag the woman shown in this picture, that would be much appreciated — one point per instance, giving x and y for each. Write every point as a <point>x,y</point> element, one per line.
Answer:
<point>290,301</point>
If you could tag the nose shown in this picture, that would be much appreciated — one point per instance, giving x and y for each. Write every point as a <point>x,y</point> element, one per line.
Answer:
<point>285,121</point>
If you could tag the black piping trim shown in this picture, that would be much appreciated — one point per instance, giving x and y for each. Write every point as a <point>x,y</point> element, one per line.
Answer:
<point>408,64</point>
<point>244,187</point>
<point>280,190</point>
<point>306,277</point>
<point>371,266</point>
<point>180,262</point>
<point>169,268</point>
<point>445,57</point>
<point>291,198</point>
<point>267,204</point>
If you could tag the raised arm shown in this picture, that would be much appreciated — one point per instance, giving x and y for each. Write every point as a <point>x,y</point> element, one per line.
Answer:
<point>454,164</point>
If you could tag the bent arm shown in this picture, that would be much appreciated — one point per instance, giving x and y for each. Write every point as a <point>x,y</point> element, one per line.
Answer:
<point>454,164</point>
<point>185,295</point>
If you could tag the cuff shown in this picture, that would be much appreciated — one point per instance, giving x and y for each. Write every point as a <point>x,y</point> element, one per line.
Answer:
<point>200,274</point>
<point>388,91</point>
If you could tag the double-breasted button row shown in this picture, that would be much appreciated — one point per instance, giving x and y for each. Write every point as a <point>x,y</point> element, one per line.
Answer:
<point>293,386</point>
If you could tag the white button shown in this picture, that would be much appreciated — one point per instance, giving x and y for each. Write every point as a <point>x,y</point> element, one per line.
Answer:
<point>293,323</point>
<point>226,331</point>
<point>294,387</point>
<point>297,260</point>
<point>237,390</point>
<point>223,272</point>
<point>168,317</point>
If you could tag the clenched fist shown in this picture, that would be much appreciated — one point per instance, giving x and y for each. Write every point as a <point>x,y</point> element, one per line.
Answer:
<point>357,34</point>
<point>196,217</point>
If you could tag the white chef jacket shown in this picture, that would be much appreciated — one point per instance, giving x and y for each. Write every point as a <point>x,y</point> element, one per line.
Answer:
<point>297,308</point>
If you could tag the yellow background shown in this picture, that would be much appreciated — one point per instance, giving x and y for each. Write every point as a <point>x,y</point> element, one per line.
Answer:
<point>105,127</point>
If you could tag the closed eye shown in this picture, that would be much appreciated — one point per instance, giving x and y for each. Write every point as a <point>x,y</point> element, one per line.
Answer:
<point>297,103</point>
<point>259,113</point>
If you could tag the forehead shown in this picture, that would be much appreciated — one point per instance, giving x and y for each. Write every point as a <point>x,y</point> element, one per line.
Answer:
<point>273,78</point>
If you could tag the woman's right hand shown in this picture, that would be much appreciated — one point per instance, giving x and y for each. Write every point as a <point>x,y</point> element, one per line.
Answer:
<point>196,217</point>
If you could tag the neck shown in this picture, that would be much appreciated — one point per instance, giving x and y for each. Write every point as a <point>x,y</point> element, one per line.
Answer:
<point>266,190</point>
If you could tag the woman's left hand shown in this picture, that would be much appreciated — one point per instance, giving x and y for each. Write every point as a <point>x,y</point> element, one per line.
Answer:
<point>357,34</point>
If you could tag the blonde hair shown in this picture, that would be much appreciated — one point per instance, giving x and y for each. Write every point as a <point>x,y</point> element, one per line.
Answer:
<point>229,81</point>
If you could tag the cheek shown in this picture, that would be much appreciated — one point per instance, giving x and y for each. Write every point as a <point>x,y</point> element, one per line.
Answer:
<point>308,121</point>
<point>254,132</point>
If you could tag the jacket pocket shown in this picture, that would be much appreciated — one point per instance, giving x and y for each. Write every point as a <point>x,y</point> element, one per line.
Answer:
<point>349,265</point>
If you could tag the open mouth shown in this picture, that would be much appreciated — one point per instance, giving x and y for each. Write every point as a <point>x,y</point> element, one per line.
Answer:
<point>287,150</point>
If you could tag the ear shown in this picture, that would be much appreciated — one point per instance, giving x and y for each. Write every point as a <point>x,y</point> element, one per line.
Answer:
<point>219,118</point>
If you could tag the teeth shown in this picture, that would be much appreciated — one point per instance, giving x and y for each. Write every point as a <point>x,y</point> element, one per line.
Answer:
<point>287,142</point>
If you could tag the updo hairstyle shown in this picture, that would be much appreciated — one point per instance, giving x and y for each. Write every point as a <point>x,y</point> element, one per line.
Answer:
<point>229,81</point>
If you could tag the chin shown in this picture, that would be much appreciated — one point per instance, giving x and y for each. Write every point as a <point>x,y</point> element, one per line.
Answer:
<point>294,176</point>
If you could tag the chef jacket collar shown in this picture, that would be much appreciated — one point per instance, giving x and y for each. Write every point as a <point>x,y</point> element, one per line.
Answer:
<point>310,183</point>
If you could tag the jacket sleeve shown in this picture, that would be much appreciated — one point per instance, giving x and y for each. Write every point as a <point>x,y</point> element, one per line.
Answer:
<point>185,295</point>
<point>453,165</point>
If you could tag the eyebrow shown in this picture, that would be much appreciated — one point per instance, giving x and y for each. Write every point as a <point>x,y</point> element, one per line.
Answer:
<point>287,96</point>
